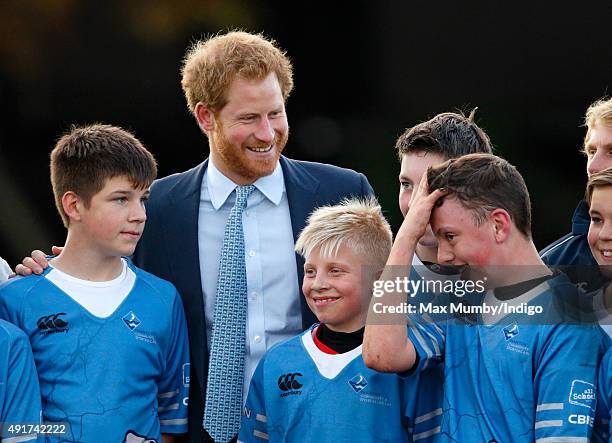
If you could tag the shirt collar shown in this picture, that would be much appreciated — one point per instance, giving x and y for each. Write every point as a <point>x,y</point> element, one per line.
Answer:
<point>220,187</point>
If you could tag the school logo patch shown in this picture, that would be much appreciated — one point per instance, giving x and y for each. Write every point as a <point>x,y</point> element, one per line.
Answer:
<point>511,332</point>
<point>358,382</point>
<point>582,393</point>
<point>131,321</point>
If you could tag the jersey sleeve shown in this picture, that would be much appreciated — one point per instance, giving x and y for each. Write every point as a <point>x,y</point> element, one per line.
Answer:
<point>21,402</point>
<point>173,387</point>
<point>565,382</point>
<point>423,404</point>
<point>253,427</point>
<point>601,433</point>
<point>7,299</point>
<point>426,331</point>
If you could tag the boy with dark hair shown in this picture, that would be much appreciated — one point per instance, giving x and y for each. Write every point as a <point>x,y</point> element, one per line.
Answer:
<point>19,391</point>
<point>445,136</point>
<point>315,387</point>
<point>109,339</point>
<point>508,377</point>
<point>236,86</point>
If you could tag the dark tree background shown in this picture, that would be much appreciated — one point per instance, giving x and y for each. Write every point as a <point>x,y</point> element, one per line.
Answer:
<point>364,71</point>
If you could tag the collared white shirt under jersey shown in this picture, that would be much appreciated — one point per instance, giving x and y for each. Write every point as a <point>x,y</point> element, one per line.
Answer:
<point>274,309</point>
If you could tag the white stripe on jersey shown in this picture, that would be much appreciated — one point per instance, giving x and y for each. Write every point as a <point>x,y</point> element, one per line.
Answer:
<point>549,406</point>
<point>260,434</point>
<point>548,423</point>
<point>428,416</point>
<point>422,435</point>
<point>173,422</point>
<point>168,394</point>
<point>172,407</point>
<point>29,437</point>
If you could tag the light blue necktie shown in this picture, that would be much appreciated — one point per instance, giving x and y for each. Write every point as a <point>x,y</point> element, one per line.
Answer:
<point>228,348</point>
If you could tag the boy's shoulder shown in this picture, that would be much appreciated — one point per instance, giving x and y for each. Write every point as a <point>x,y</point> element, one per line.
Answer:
<point>291,347</point>
<point>21,286</point>
<point>10,335</point>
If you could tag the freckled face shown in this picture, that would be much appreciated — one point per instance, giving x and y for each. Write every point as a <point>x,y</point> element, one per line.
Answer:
<point>460,240</point>
<point>333,289</point>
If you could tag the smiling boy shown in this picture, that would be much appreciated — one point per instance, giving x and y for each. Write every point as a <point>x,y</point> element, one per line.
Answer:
<point>507,378</point>
<point>599,198</point>
<point>109,340</point>
<point>573,248</point>
<point>315,387</point>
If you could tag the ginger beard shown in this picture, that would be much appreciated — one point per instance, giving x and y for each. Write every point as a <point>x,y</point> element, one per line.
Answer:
<point>241,160</point>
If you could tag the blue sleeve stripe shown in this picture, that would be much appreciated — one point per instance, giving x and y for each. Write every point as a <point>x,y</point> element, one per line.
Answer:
<point>428,416</point>
<point>173,422</point>
<point>261,418</point>
<point>422,435</point>
<point>563,440</point>
<point>548,423</point>
<point>549,406</point>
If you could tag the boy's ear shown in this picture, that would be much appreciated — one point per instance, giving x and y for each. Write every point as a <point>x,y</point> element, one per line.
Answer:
<point>73,205</point>
<point>501,222</point>
<point>205,117</point>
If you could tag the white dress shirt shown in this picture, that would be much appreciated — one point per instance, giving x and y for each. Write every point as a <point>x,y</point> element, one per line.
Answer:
<point>274,309</point>
<point>5,270</point>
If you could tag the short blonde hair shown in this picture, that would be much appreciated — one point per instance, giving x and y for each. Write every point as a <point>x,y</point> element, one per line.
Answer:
<point>355,223</point>
<point>597,180</point>
<point>599,111</point>
<point>211,65</point>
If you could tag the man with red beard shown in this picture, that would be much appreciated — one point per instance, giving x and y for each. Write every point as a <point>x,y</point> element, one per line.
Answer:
<point>236,86</point>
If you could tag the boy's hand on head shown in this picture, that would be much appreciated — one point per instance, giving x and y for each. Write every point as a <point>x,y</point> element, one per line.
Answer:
<point>36,263</point>
<point>421,204</point>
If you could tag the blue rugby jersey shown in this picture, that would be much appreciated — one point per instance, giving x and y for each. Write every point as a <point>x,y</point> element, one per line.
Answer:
<point>19,391</point>
<point>300,393</point>
<point>514,380</point>
<point>106,377</point>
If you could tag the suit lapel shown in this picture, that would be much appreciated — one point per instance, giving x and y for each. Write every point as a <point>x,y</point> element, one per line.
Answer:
<point>301,189</point>
<point>182,244</point>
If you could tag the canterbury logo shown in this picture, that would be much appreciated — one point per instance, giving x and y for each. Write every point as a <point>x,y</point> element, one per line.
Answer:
<point>287,382</point>
<point>53,321</point>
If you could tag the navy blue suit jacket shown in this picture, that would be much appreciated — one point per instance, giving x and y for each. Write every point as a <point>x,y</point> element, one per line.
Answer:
<point>169,246</point>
